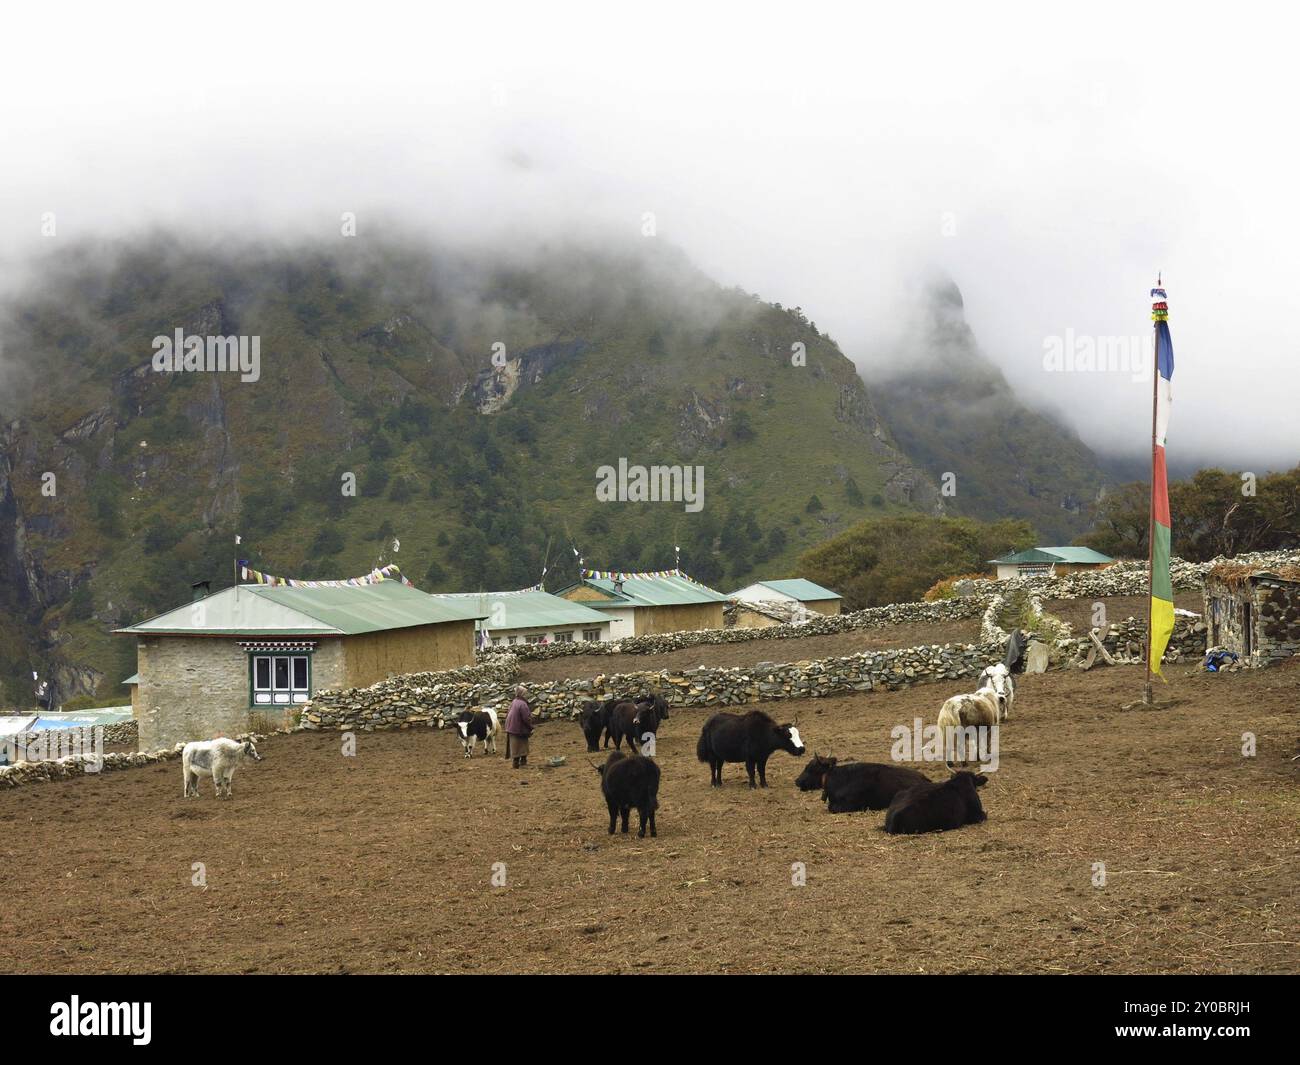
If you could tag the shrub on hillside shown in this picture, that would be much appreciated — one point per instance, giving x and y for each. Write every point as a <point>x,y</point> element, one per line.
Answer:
<point>895,559</point>
<point>943,589</point>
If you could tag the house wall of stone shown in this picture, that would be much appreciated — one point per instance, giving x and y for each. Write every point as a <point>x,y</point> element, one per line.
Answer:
<point>377,656</point>
<point>1277,619</point>
<point>196,687</point>
<point>1274,612</point>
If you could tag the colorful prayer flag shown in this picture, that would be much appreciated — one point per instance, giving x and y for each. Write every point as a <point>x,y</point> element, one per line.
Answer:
<point>1162,589</point>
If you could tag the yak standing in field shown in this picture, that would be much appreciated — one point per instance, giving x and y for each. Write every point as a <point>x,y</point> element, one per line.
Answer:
<point>620,724</point>
<point>627,781</point>
<point>475,725</point>
<point>750,738</point>
<point>631,720</point>
<point>857,785</point>
<point>593,720</point>
<point>221,757</point>
<point>937,807</point>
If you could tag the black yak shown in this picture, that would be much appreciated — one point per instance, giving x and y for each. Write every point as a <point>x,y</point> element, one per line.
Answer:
<point>750,738</point>
<point>593,720</point>
<point>857,785</point>
<point>627,781</point>
<point>937,807</point>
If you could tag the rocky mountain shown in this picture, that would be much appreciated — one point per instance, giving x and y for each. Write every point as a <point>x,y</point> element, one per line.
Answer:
<point>953,412</point>
<point>411,403</point>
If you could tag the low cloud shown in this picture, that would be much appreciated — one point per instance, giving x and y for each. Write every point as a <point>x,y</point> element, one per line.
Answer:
<point>1048,167</point>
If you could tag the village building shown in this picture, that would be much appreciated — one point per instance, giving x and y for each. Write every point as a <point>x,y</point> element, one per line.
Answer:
<point>787,595</point>
<point>641,604</point>
<point>1253,612</point>
<point>1049,562</point>
<point>532,616</point>
<point>251,653</point>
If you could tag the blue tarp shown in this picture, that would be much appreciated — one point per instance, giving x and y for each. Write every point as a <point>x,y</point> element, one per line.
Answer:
<point>82,718</point>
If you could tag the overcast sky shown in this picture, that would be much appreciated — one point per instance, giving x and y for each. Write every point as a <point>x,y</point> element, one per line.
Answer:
<point>1050,160</point>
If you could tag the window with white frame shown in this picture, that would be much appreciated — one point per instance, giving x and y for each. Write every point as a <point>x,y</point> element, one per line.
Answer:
<point>564,637</point>
<point>591,635</point>
<point>280,679</point>
<point>535,639</point>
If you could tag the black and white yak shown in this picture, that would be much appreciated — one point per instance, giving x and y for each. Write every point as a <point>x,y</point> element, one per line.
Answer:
<point>963,717</point>
<point>629,781</point>
<point>857,786</point>
<point>475,725</point>
<point>999,678</point>
<point>937,807</point>
<point>221,757</point>
<point>750,738</point>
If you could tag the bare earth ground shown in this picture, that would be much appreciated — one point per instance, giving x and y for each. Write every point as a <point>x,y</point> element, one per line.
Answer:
<point>382,862</point>
<point>751,652</point>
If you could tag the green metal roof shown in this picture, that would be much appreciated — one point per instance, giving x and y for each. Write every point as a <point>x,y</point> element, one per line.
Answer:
<point>797,588</point>
<point>1050,555</point>
<point>134,678</point>
<point>651,591</point>
<point>526,610</point>
<point>262,610</point>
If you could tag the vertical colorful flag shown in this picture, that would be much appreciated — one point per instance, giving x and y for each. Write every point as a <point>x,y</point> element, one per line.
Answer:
<point>1162,589</point>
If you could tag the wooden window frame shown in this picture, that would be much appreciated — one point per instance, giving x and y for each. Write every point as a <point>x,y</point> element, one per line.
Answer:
<point>292,691</point>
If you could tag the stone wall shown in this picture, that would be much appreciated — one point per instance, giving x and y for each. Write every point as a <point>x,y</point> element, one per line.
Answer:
<point>433,700</point>
<point>23,772</point>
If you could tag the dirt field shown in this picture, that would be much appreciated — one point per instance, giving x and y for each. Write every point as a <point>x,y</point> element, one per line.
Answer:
<point>382,862</point>
<point>1078,612</point>
<point>751,652</point>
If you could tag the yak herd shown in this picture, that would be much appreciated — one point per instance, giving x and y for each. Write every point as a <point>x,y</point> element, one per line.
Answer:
<point>912,802</point>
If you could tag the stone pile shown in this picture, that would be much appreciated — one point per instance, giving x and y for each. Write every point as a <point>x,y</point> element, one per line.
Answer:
<point>24,772</point>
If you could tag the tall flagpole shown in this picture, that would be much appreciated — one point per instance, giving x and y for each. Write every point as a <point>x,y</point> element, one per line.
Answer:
<point>1151,511</point>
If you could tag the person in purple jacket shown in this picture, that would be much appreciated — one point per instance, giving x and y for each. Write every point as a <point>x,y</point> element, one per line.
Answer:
<point>519,726</point>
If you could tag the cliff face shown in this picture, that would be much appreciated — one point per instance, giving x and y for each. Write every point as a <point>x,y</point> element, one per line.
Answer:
<point>377,371</point>
<point>954,412</point>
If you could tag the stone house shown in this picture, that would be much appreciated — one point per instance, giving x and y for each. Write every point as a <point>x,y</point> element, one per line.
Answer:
<point>251,653</point>
<point>640,604</point>
<point>1253,612</point>
<point>532,616</point>
<point>789,593</point>
<point>1049,562</point>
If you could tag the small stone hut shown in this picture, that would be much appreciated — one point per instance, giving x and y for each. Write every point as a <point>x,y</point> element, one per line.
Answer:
<point>1254,612</point>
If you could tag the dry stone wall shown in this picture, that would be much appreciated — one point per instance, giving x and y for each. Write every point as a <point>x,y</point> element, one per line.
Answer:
<point>403,702</point>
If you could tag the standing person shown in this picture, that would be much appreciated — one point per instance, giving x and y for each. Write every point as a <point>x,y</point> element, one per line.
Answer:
<point>519,726</point>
